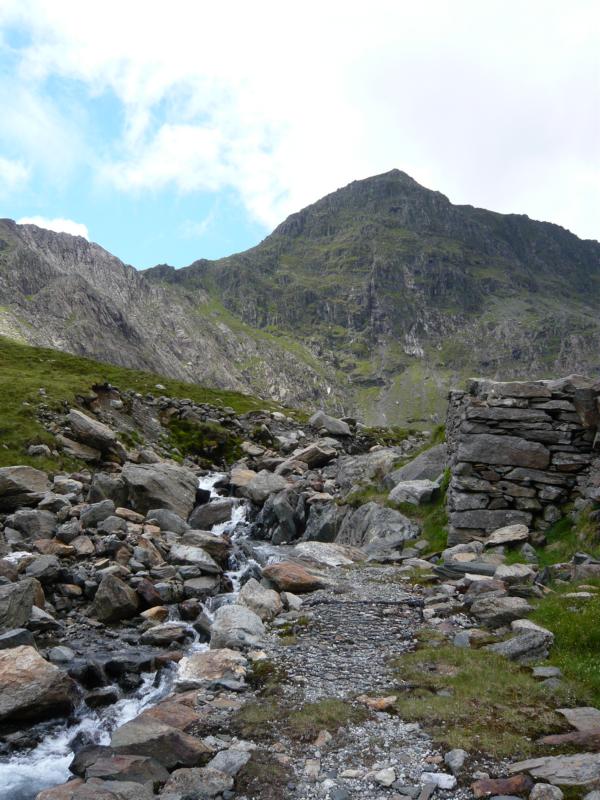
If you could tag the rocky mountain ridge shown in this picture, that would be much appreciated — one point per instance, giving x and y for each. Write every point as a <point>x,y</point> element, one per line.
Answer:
<point>374,301</point>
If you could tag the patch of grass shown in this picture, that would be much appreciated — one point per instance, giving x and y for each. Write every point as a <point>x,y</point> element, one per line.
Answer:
<point>388,437</point>
<point>269,719</point>
<point>24,370</point>
<point>568,536</point>
<point>489,704</point>
<point>206,440</point>
<point>576,628</point>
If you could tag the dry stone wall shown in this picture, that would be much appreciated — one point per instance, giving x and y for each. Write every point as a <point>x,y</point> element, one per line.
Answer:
<point>519,451</point>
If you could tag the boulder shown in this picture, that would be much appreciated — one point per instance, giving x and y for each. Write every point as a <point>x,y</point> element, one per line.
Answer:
<point>167,745</point>
<point>428,465</point>
<point>290,577</point>
<point>33,524</point>
<point>376,528</point>
<point>16,602</point>
<point>237,628</point>
<point>160,485</point>
<point>515,573</point>
<point>16,637</point>
<point>582,769</point>
<point>262,486</point>
<point>328,554</point>
<point>197,783</point>
<point>110,766</point>
<point>484,448</point>
<point>508,535</point>
<point>333,426</point>
<point>32,688</point>
<point>167,520</point>
<point>264,602</point>
<point>323,523</point>
<point>78,450</point>
<point>218,547</point>
<point>166,634</point>
<point>497,611</point>
<point>584,718</point>
<point>214,669</point>
<point>115,600</point>
<point>196,556</point>
<point>524,648</point>
<point>45,569</point>
<point>415,492</point>
<point>205,516</point>
<point>96,513</point>
<point>91,431</point>
<point>21,486</point>
<point>315,456</point>
<point>365,468</point>
<point>230,761</point>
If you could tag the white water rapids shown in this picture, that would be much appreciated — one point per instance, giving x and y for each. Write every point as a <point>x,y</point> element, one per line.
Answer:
<point>24,774</point>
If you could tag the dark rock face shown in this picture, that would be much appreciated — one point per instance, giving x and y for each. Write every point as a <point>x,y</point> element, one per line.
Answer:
<point>160,485</point>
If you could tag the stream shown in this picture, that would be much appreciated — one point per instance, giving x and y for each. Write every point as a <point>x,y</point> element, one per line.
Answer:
<point>25,773</point>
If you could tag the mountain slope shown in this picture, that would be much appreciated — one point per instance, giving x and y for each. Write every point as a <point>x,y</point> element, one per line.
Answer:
<point>374,300</point>
<point>402,293</point>
<point>63,292</point>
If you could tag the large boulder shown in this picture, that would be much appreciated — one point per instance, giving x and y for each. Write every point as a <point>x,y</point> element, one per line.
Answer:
<point>333,426</point>
<point>91,432</point>
<point>206,515</point>
<point>264,602</point>
<point>237,628</point>
<point>16,602</point>
<point>324,522</point>
<point>32,523</point>
<point>195,556</point>
<point>414,492</point>
<point>377,529</point>
<point>21,486</point>
<point>262,486</point>
<point>428,465</point>
<point>169,746</point>
<point>496,611</point>
<point>213,669</point>
<point>290,577</point>
<point>31,688</point>
<point>365,468</point>
<point>160,485</point>
<point>115,600</point>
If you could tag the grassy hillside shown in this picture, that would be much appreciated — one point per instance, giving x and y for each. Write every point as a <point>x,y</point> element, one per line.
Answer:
<point>34,377</point>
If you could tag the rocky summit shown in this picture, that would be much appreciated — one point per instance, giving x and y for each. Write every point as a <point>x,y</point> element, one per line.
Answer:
<point>372,301</point>
<point>201,601</point>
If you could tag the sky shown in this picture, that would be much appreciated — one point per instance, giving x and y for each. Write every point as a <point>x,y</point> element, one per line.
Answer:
<point>173,131</point>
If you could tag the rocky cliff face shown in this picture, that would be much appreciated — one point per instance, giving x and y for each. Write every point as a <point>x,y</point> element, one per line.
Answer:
<point>374,300</point>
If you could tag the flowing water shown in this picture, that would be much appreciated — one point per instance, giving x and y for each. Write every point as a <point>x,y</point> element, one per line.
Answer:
<point>24,774</point>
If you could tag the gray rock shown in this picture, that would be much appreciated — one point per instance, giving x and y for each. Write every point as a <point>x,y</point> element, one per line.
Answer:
<point>497,611</point>
<point>201,587</point>
<point>114,600</point>
<point>264,602</point>
<point>97,512</point>
<point>376,528</point>
<point>546,672</point>
<point>54,502</point>
<point>455,760</point>
<point>16,602</point>
<point>187,554</point>
<point>237,628</point>
<point>508,450</point>
<point>46,569</point>
<point>428,465</point>
<point>525,647</point>
<point>230,761</point>
<point>415,492</point>
<point>169,746</point>
<point>15,638</point>
<point>160,486</point>
<point>201,783</point>
<point>222,668</point>
<point>167,520</point>
<point>488,519</point>
<point>545,791</point>
<point>205,516</point>
<point>508,535</point>
<point>264,484</point>
<point>323,523</point>
<point>91,431</point>
<point>21,486</point>
<point>33,524</point>
<point>315,456</point>
<point>366,468</point>
<point>585,718</point>
<point>582,769</point>
<point>333,426</point>
<point>515,573</point>
<point>112,524</point>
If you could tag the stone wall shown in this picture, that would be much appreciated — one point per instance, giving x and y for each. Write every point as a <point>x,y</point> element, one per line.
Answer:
<point>519,451</point>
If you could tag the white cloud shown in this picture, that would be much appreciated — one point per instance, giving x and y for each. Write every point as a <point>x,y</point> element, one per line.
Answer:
<point>59,225</point>
<point>13,175</point>
<point>196,229</point>
<point>492,103</point>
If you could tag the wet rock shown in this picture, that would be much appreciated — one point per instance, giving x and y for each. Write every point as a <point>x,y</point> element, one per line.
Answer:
<point>201,783</point>
<point>218,547</point>
<point>204,586</point>
<point>114,600</point>
<point>32,688</point>
<point>237,628</point>
<point>121,767</point>
<point>167,520</point>
<point>186,554</point>
<point>21,486</point>
<point>222,668</point>
<point>169,746</point>
<point>264,602</point>
<point>164,635</point>
<point>63,792</point>
<point>177,715</point>
<point>205,516</point>
<point>262,486</point>
<point>290,577</point>
<point>15,638</point>
<point>160,486</point>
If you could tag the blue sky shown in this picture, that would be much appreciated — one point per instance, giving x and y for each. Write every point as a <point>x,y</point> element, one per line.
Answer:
<point>191,131</point>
